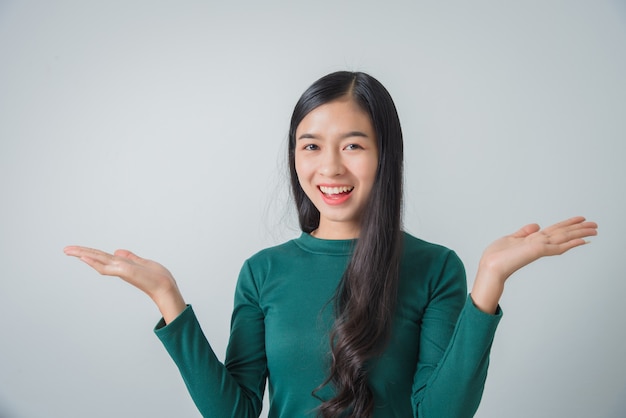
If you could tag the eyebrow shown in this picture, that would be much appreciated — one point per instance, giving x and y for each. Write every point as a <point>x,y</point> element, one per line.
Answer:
<point>344,136</point>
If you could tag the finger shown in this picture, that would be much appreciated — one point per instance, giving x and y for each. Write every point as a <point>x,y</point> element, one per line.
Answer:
<point>111,265</point>
<point>101,267</point>
<point>571,234</point>
<point>78,251</point>
<point>102,262</point>
<point>562,248</point>
<point>129,255</point>
<point>526,230</point>
<point>92,262</point>
<point>565,224</point>
<point>584,228</point>
<point>73,250</point>
<point>589,225</point>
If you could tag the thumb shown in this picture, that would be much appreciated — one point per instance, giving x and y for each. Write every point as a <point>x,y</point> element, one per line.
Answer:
<point>129,255</point>
<point>527,230</point>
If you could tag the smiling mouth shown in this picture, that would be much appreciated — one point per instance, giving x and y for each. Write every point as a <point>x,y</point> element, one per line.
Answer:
<point>335,191</point>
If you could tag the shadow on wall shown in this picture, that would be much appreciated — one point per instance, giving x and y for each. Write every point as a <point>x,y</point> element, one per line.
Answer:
<point>4,412</point>
<point>620,410</point>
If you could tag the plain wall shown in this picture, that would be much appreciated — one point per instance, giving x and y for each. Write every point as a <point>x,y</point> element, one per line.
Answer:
<point>161,127</point>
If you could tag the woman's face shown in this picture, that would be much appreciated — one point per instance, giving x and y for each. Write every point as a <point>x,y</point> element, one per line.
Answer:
<point>336,158</point>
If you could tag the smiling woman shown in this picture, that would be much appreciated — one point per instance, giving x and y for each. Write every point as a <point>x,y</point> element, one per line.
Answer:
<point>401,337</point>
<point>336,157</point>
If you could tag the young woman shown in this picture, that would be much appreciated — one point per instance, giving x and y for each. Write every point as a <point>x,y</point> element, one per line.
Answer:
<point>355,318</point>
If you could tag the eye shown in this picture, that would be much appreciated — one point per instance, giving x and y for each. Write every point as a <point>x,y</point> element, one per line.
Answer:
<point>310,147</point>
<point>351,147</point>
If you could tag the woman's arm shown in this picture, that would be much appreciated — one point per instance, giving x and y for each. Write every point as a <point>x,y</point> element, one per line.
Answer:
<point>450,383</point>
<point>455,341</point>
<point>512,252</point>
<point>232,390</point>
<point>148,276</point>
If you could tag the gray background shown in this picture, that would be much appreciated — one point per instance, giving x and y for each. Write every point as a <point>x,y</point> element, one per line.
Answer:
<point>161,126</point>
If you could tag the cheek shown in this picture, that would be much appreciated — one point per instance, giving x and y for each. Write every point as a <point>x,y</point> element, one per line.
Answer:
<point>303,168</point>
<point>301,172</point>
<point>368,171</point>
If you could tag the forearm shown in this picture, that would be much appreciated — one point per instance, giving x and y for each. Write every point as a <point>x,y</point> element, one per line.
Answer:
<point>487,290</point>
<point>213,388</point>
<point>454,388</point>
<point>170,302</point>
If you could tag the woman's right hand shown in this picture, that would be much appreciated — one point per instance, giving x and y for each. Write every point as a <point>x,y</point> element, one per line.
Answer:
<point>146,275</point>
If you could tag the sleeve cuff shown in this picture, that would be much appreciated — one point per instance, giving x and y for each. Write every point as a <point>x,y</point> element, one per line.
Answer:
<point>480,315</point>
<point>163,330</point>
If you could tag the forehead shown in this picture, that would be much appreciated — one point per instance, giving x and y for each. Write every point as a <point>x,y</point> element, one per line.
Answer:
<point>337,115</point>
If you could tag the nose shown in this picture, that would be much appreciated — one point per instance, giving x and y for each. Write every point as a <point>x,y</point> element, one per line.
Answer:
<point>331,163</point>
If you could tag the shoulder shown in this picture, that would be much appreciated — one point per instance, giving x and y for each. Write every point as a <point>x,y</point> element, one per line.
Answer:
<point>275,258</point>
<point>416,248</point>
<point>258,267</point>
<point>433,263</point>
<point>285,249</point>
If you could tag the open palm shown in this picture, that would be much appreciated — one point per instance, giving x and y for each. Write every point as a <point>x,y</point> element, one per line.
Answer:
<point>512,252</point>
<point>147,275</point>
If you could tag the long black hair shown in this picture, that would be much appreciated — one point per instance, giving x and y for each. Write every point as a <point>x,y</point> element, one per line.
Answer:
<point>365,299</point>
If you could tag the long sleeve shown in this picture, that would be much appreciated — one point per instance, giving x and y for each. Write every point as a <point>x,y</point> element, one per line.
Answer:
<point>434,365</point>
<point>234,389</point>
<point>455,343</point>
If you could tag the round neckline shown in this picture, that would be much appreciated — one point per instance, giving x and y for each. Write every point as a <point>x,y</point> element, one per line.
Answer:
<point>339,247</point>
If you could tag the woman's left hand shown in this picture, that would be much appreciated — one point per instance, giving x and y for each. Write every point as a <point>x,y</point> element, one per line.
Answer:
<point>510,253</point>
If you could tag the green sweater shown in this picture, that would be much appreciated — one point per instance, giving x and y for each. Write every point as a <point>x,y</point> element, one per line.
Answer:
<point>434,366</point>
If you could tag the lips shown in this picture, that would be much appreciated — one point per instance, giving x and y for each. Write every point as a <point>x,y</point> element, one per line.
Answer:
<point>335,195</point>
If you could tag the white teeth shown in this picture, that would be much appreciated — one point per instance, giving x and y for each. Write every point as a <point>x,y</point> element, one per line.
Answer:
<point>335,190</point>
